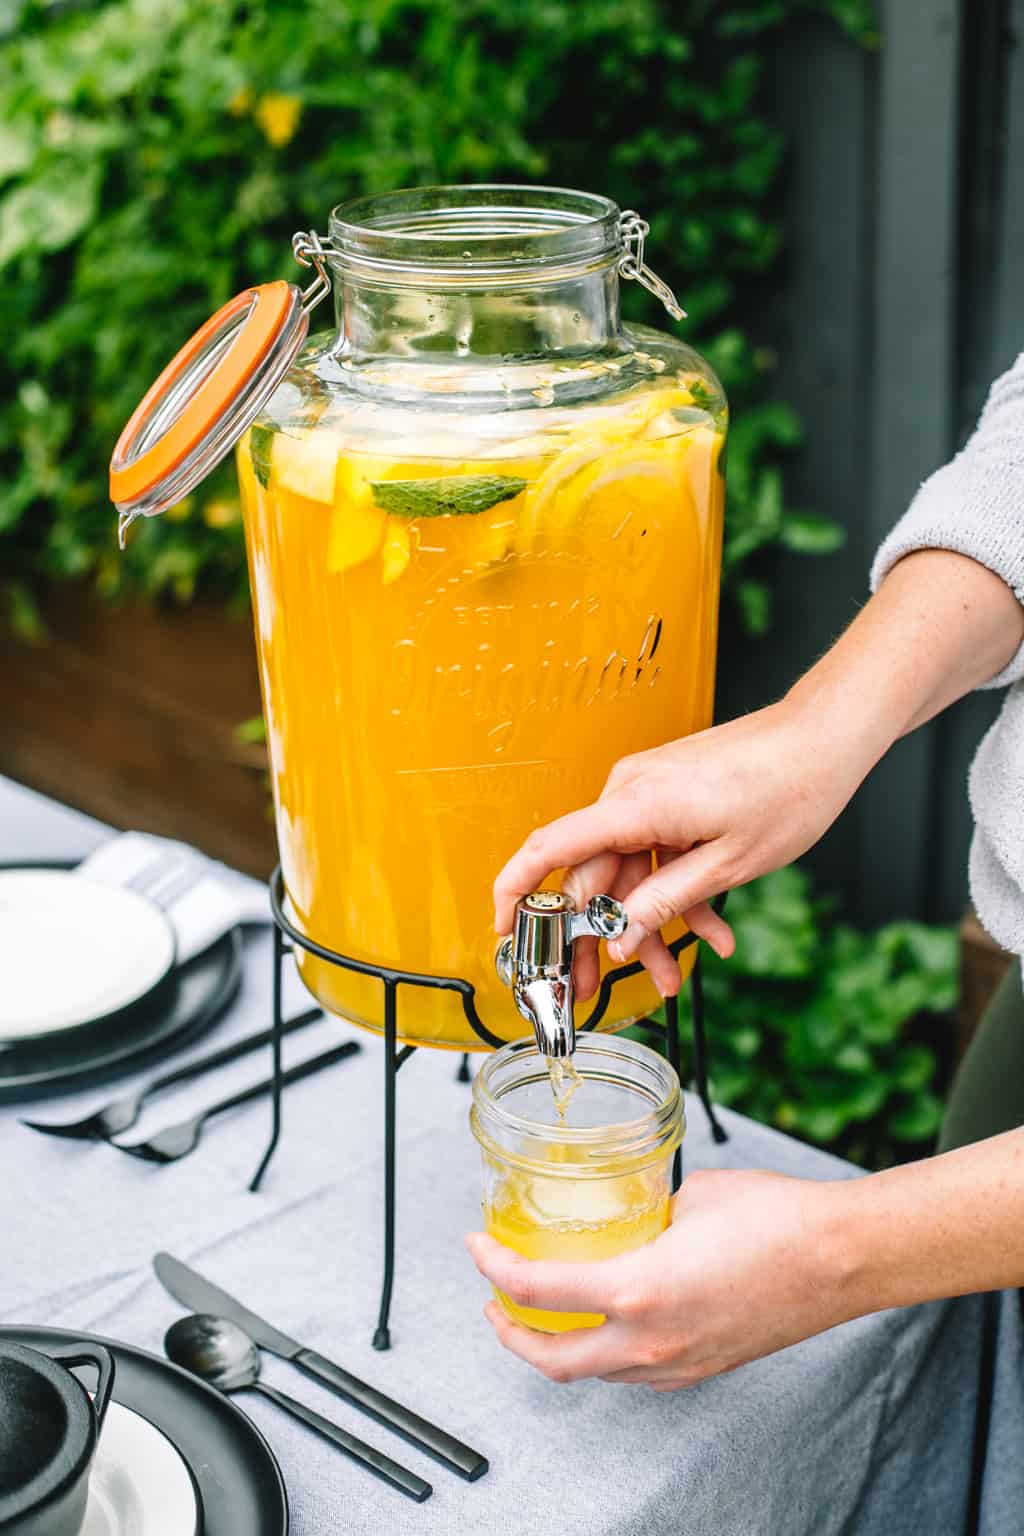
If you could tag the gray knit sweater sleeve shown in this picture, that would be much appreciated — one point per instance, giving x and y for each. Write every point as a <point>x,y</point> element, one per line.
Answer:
<point>975,506</point>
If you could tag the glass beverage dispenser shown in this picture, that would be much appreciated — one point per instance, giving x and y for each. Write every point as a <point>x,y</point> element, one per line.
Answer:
<point>484,528</point>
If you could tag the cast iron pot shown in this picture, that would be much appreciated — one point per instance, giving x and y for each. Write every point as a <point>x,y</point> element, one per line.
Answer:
<point>48,1433</point>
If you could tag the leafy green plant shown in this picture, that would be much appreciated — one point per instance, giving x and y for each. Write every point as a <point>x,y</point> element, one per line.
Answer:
<point>156,155</point>
<point>808,1023</point>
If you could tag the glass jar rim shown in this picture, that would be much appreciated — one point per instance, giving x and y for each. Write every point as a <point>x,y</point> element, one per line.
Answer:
<point>656,1132</point>
<point>476,233</point>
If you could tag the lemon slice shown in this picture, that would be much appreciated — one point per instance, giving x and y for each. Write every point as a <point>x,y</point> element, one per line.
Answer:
<point>357,523</point>
<point>623,428</point>
<point>305,464</point>
<point>639,478</point>
<point>559,473</point>
<point>703,448</point>
<point>396,550</point>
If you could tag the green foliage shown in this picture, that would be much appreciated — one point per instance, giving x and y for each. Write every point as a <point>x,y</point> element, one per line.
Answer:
<point>252,732</point>
<point>807,1023</point>
<point>156,155</point>
<point>757,515</point>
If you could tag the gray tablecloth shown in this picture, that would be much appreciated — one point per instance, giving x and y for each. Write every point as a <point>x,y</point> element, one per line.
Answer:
<point>868,1429</point>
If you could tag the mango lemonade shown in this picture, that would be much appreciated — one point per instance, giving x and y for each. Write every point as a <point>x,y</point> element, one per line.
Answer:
<point>574,1220</point>
<point>458,635</point>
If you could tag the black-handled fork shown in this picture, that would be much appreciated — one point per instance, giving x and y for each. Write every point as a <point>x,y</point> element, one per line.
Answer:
<point>177,1141</point>
<point>120,1115</point>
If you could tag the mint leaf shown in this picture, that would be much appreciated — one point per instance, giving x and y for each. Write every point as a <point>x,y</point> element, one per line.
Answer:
<point>459,494</point>
<point>260,447</point>
<point>700,395</point>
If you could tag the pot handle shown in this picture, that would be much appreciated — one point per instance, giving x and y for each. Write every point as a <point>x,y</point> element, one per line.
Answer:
<point>101,1358</point>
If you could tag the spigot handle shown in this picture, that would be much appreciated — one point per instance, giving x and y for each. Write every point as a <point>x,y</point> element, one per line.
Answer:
<point>603,917</point>
<point>504,962</point>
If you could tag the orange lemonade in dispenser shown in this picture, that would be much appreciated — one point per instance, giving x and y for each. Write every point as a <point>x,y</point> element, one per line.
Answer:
<point>484,524</point>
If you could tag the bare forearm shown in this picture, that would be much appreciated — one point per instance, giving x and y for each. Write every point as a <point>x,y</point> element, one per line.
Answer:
<point>947,1226</point>
<point>938,627</point>
<point>753,1262</point>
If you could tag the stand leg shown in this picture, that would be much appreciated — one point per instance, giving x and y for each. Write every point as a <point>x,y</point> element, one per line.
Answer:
<point>275,1131</point>
<point>700,1054</point>
<point>672,1052</point>
<point>462,1075</point>
<point>382,1336</point>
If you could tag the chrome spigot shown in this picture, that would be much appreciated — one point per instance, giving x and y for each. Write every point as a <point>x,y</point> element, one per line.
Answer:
<point>536,960</point>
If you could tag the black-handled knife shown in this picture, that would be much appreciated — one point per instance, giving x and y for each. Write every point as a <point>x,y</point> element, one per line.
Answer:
<point>200,1295</point>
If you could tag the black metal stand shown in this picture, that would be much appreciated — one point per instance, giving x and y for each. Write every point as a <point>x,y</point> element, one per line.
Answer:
<point>287,937</point>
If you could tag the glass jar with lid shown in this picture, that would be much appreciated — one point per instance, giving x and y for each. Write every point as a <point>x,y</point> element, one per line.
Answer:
<point>483,521</point>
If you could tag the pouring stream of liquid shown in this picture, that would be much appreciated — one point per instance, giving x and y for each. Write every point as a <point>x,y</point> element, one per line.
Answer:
<point>565,1080</point>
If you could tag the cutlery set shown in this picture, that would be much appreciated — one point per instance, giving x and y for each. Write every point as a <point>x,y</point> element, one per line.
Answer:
<point>177,1141</point>
<point>220,1342</point>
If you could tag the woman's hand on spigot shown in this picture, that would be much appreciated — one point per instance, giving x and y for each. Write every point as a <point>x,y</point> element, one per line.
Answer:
<point>676,825</point>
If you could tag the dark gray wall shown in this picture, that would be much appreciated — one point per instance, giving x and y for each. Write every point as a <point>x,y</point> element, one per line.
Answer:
<point>901,299</point>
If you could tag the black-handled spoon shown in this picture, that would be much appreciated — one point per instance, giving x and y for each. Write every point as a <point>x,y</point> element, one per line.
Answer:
<point>224,1355</point>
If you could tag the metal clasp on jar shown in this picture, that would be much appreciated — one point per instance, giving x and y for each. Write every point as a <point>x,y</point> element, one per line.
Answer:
<point>633,231</point>
<point>310,250</point>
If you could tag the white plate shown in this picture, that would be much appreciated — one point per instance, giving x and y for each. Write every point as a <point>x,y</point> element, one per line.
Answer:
<point>73,951</point>
<point>139,1485</point>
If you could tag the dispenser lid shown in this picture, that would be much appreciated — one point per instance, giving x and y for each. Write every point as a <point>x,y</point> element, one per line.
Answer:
<point>208,395</point>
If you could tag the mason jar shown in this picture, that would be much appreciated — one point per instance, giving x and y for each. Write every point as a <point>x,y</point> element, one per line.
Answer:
<point>484,524</point>
<point>589,1182</point>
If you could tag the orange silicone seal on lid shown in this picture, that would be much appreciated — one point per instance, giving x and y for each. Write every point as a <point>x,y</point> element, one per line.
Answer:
<point>209,393</point>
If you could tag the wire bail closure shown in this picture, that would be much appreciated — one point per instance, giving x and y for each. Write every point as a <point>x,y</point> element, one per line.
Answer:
<point>308,250</point>
<point>633,231</point>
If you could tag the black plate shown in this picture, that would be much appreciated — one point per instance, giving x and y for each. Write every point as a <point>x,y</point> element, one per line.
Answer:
<point>239,1481</point>
<point>202,989</point>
